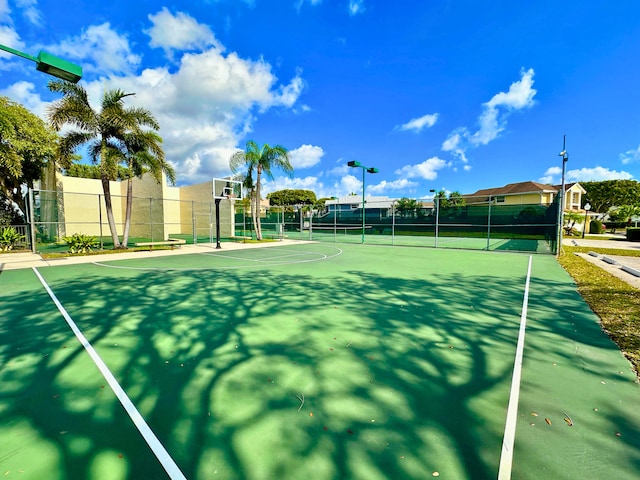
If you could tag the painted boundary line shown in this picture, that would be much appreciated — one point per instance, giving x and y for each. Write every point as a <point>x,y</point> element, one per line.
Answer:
<point>158,449</point>
<point>506,457</point>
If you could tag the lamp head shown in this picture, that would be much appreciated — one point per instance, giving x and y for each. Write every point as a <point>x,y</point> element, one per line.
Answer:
<point>353,163</point>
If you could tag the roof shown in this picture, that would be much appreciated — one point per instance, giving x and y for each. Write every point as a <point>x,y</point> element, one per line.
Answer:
<point>517,189</point>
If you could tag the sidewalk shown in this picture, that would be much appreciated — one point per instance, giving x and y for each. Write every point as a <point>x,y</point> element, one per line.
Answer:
<point>623,267</point>
<point>15,261</point>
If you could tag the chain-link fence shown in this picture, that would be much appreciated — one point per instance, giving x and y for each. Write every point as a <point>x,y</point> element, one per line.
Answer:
<point>56,215</point>
<point>470,223</point>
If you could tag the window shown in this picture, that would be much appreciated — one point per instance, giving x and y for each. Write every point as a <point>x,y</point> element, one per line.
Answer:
<point>500,199</point>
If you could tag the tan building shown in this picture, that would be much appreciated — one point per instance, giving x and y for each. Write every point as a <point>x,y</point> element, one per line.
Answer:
<point>159,211</point>
<point>529,193</point>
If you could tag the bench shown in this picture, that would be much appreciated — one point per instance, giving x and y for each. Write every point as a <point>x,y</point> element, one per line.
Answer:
<point>275,236</point>
<point>169,241</point>
<point>240,238</point>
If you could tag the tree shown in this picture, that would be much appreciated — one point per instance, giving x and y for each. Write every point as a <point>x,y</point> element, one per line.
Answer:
<point>82,170</point>
<point>451,205</point>
<point>408,207</point>
<point>27,145</point>
<point>292,197</point>
<point>258,161</point>
<point>570,220</point>
<point>104,131</point>
<point>611,193</point>
<point>143,153</point>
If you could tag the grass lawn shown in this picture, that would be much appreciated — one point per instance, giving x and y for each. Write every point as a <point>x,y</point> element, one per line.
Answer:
<point>616,302</point>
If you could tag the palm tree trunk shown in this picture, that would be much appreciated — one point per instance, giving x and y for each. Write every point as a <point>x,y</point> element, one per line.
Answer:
<point>127,215</point>
<point>109,207</point>
<point>258,226</point>
<point>254,214</point>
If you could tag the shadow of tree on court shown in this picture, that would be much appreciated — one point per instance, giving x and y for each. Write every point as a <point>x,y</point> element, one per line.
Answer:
<point>402,375</point>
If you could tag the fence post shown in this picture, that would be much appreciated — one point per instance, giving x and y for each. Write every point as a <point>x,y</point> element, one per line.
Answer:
<point>32,222</point>
<point>100,219</point>
<point>437,218</point>
<point>393,222</point>
<point>489,224</point>
<point>151,218</point>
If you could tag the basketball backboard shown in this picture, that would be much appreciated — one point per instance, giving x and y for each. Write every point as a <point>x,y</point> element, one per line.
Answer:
<point>227,189</point>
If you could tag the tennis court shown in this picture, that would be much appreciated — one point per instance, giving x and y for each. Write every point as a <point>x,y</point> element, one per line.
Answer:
<point>310,360</point>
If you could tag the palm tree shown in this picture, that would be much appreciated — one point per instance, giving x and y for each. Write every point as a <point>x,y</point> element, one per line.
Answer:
<point>258,161</point>
<point>104,131</point>
<point>143,153</point>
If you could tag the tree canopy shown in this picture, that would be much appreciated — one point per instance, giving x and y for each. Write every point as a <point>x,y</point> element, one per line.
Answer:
<point>82,170</point>
<point>26,147</point>
<point>611,193</point>
<point>292,197</point>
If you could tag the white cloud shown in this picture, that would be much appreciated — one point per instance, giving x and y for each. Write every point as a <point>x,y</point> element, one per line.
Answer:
<point>4,10</point>
<point>10,38</point>
<point>306,156</point>
<point>630,156</point>
<point>401,184</point>
<point>596,174</point>
<point>356,7</point>
<point>346,185</point>
<point>30,11</point>
<point>492,121</point>
<point>179,32</point>
<point>100,49</point>
<point>205,108</point>
<point>427,169</point>
<point>23,93</point>
<point>417,124</point>
<point>553,175</point>
<point>453,144</point>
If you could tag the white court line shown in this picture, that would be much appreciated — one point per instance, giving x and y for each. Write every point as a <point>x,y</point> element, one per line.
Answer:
<point>506,457</point>
<point>271,261</point>
<point>158,449</point>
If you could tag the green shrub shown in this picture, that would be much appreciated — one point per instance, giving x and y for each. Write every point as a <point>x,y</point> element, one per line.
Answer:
<point>80,243</point>
<point>595,226</point>
<point>633,234</point>
<point>8,238</point>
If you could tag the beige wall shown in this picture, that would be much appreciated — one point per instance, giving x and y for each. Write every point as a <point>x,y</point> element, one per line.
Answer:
<point>158,210</point>
<point>83,206</point>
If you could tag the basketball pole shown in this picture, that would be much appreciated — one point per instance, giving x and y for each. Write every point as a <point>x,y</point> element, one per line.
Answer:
<point>218,224</point>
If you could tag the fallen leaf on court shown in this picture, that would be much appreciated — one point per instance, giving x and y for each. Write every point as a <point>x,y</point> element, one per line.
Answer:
<point>435,474</point>
<point>534,414</point>
<point>548,421</point>
<point>618,434</point>
<point>311,414</point>
<point>350,432</point>
<point>567,419</point>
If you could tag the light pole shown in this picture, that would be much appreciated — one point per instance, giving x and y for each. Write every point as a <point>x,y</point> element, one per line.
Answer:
<point>561,201</point>
<point>47,63</point>
<point>587,207</point>
<point>437,200</point>
<point>355,164</point>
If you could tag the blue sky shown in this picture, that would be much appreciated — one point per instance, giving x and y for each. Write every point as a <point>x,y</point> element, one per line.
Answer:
<point>439,94</point>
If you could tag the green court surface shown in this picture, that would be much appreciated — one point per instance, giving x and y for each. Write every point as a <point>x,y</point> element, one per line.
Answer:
<point>313,361</point>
